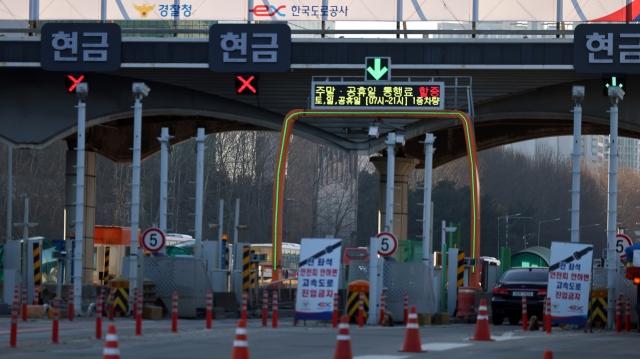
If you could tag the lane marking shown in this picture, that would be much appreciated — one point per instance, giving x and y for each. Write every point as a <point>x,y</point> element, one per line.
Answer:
<point>506,336</point>
<point>439,347</point>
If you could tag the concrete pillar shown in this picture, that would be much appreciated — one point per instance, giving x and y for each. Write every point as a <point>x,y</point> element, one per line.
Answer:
<point>403,167</point>
<point>89,209</point>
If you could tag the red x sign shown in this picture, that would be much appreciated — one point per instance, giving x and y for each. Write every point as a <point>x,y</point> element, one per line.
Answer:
<point>245,84</point>
<point>72,82</point>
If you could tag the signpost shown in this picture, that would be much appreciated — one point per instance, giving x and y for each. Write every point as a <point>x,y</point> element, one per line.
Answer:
<point>388,244</point>
<point>378,96</point>
<point>377,69</point>
<point>622,242</point>
<point>153,240</point>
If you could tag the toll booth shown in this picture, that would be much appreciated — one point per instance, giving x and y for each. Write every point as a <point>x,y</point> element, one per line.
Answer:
<point>111,244</point>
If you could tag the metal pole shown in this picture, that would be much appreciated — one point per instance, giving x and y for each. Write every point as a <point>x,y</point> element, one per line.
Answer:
<point>199,189</point>
<point>426,208</point>
<point>25,241</point>
<point>236,223</point>
<point>220,233</point>
<point>9,191</point>
<point>575,186</point>
<point>391,164</point>
<point>506,233</point>
<point>139,91</point>
<point>539,233</point>
<point>443,266</point>
<point>612,261</point>
<point>103,10</point>
<point>164,177</point>
<point>79,223</point>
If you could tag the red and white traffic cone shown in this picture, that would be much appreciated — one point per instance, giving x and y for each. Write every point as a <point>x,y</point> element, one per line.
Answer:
<point>240,343</point>
<point>56,316</point>
<point>24,303</point>
<point>111,304</point>
<point>243,313</point>
<point>482,323</point>
<point>138,313</point>
<point>174,313</point>
<point>334,318</point>
<point>548,321</point>
<point>274,311</point>
<point>361,310</point>
<point>343,347</point>
<point>209,308</point>
<point>524,314</point>
<point>544,314</point>
<point>111,350</point>
<point>13,338</point>
<point>383,299</point>
<point>627,317</point>
<point>70,312</point>
<point>265,307</point>
<point>412,337</point>
<point>406,308</point>
<point>99,300</point>
<point>135,304</point>
<point>618,316</point>
<point>36,295</point>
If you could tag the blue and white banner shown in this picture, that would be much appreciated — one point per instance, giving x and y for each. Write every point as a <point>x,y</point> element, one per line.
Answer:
<point>570,282</point>
<point>318,277</point>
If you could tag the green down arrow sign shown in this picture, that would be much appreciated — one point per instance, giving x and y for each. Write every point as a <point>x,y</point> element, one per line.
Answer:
<point>377,69</point>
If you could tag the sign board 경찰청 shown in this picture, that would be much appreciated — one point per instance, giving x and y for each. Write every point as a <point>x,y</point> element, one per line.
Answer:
<point>570,282</point>
<point>318,277</point>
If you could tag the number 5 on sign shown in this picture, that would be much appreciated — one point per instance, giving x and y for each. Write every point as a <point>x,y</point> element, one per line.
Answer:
<point>153,240</point>
<point>388,244</point>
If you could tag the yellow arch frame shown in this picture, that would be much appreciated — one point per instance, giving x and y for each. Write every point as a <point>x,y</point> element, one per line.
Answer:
<point>285,139</point>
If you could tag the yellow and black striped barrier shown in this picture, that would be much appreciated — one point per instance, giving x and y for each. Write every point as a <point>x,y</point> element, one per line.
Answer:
<point>460,277</point>
<point>353,299</point>
<point>37,275</point>
<point>253,275</point>
<point>245,268</point>
<point>105,276</point>
<point>120,295</point>
<point>598,307</point>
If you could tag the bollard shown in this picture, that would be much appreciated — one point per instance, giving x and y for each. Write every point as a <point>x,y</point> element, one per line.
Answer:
<point>174,313</point>
<point>334,321</point>
<point>70,311</point>
<point>383,299</point>
<point>243,314</point>
<point>111,306</point>
<point>547,323</point>
<point>56,318</point>
<point>99,317</point>
<point>135,304</point>
<point>274,314</point>
<point>524,314</point>
<point>14,324</point>
<point>361,310</point>
<point>627,317</point>
<point>24,303</point>
<point>138,313</point>
<point>265,307</point>
<point>406,308</point>
<point>36,292</point>
<point>209,308</point>
<point>618,318</point>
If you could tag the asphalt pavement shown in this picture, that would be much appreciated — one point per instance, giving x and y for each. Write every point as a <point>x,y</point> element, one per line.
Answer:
<point>311,341</point>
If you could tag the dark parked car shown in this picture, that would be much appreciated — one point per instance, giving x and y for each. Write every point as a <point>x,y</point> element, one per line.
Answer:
<point>515,284</point>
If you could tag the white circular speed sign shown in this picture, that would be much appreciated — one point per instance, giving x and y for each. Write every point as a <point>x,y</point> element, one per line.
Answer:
<point>388,244</point>
<point>622,242</point>
<point>153,240</point>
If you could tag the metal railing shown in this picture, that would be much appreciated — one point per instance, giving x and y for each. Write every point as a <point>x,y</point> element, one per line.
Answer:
<point>288,286</point>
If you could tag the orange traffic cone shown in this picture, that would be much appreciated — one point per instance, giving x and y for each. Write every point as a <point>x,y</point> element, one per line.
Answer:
<point>111,350</point>
<point>547,354</point>
<point>412,337</point>
<point>482,323</point>
<point>240,344</point>
<point>343,347</point>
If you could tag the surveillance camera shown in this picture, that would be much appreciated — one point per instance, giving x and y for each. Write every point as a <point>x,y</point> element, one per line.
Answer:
<point>578,93</point>
<point>374,131</point>
<point>400,138</point>
<point>82,89</point>
<point>616,93</point>
<point>139,88</point>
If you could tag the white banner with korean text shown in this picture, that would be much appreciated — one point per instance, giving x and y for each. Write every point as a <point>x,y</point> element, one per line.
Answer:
<point>328,10</point>
<point>570,282</point>
<point>318,277</point>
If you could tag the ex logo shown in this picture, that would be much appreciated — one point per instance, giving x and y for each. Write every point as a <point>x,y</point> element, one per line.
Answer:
<point>266,10</point>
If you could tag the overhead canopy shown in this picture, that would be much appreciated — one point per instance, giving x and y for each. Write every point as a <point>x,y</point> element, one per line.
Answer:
<point>532,257</point>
